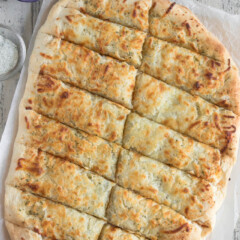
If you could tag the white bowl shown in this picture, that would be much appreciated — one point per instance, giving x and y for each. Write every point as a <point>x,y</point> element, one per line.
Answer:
<point>8,33</point>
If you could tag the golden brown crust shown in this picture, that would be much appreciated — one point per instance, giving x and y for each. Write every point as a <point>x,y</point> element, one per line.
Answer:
<point>20,233</point>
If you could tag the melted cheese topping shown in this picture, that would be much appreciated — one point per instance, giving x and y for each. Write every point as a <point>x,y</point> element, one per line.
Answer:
<point>104,37</point>
<point>78,108</point>
<point>165,145</point>
<point>185,113</point>
<point>49,219</point>
<point>84,68</point>
<point>192,197</point>
<point>61,181</point>
<point>190,71</point>
<point>81,148</point>
<point>135,213</point>
<point>131,13</point>
<point>177,24</point>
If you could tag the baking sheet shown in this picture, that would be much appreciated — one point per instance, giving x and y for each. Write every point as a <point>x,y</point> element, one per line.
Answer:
<point>227,28</point>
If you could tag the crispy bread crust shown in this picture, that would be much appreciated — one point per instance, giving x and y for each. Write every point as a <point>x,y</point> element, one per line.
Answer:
<point>20,233</point>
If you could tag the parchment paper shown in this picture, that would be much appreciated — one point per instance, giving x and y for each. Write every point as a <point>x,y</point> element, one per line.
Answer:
<point>227,28</point>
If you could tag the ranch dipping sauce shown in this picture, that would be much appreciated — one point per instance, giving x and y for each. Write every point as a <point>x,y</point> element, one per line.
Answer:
<point>8,55</point>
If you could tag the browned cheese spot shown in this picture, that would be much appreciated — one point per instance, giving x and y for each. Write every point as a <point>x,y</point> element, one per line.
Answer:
<point>197,85</point>
<point>209,75</point>
<point>227,116</point>
<point>64,95</point>
<point>185,225</point>
<point>27,122</point>
<point>186,210</point>
<point>134,14</point>
<point>36,230</point>
<point>188,28</point>
<point>46,56</point>
<point>216,122</point>
<point>106,69</point>
<point>154,5</point>
<point>194,124</point>
<point>228,136</point>
<point>82,10</point>
<point>33,186</point>
<point>69,18</point>
<point>32,167</point>
<point>170,8</point>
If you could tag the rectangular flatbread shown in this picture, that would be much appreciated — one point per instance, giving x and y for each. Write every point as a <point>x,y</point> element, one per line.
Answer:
<point>49,219</point>
<point>131,13</point>
<point>59,180</point>
<point>107,38</point>
<point>88,151</point>
<point>216,82</point>
<point>135,213</point>
<point>165,145</point>
<point>190,115</point>
<point>194,198</point>
<point>83,68</point>
<point>128,127</point>
<point>110,232</point>
<point>76,108</point>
